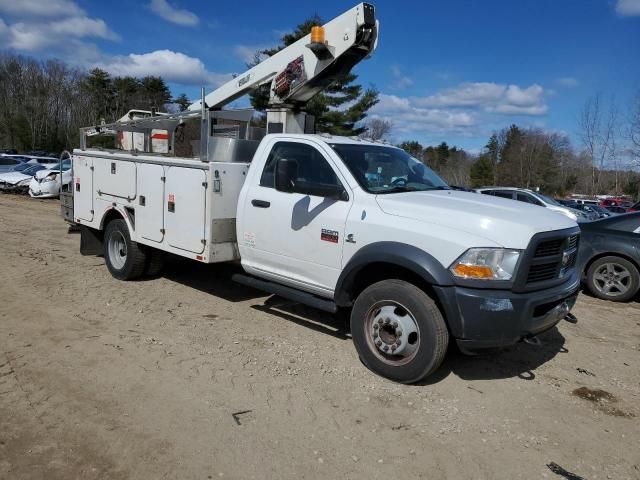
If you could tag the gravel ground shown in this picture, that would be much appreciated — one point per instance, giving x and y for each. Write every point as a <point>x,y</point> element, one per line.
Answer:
<point>190,376</point>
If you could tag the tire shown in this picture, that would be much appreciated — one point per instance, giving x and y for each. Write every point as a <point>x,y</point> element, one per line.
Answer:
<point>613,278</point>
<point>415,337</point>
<point>125,259</point>
<point>155,262</point>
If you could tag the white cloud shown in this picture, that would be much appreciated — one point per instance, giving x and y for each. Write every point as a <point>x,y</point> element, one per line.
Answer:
<point>628,8</point>
<point>465,110</point>
<point>59,34</point>
<point>568,82</point>
<point>248,52</point>
<point>490,97</point>
<point>400,80</point>
<point>40,8</point>
<point>172,14</point>
<point>54,25</point>
<point>408,117</point>
<point>173,66</point>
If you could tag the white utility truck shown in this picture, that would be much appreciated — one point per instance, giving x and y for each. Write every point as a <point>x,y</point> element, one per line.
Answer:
<point>331,222</point>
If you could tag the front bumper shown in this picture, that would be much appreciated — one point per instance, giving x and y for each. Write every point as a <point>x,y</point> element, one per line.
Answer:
<point>486,318</point>
<point>42,193</point>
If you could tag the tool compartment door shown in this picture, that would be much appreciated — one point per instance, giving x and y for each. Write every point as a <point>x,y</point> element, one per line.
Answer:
<point>185,207</point>
<point>116,178</point>
<point>150,205</point>
<point>83,188</point>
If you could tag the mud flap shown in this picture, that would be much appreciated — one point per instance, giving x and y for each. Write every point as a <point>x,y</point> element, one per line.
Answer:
<point>90,241</point>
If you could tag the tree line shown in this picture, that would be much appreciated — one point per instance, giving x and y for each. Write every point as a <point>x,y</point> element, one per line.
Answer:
<point>605,161</point>
<point>44,103</point>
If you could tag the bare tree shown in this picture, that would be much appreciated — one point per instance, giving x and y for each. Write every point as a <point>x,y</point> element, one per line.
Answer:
<point>598,131</point>
<point>377,128</point>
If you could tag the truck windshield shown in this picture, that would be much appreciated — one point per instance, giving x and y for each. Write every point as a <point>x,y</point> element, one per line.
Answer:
<point>380,169</point>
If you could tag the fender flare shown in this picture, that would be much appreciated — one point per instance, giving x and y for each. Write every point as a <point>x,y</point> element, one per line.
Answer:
<point>403,255</point>
<point>122,213</point>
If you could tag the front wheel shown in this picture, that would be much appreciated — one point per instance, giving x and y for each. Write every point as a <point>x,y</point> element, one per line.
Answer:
<point>613,278</point>
<point>124,257</point>
<point>398,331</point>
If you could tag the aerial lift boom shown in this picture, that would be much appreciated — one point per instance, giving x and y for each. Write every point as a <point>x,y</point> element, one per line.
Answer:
<point>296,73</point>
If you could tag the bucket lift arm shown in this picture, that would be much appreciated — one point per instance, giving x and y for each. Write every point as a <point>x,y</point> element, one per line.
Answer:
<point>299,71</point>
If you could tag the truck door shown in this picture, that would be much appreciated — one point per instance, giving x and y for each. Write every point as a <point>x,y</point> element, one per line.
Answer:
<point>150,188</point>
<point>184,208</point>
<point>83,188</point>
<point>293,237</point>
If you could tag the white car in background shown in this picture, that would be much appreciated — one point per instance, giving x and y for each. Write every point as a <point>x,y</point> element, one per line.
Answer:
<point>48,162</point>
<point>535,198</point>
<point>48,182</point>
<point>18,180</point>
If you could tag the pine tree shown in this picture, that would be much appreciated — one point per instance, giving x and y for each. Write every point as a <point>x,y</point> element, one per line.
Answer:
<point>482,172</point>
<point>182,101</point>
<point>340,108</point>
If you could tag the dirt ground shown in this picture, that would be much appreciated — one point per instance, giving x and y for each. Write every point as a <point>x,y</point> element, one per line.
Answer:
<point>190,376</point>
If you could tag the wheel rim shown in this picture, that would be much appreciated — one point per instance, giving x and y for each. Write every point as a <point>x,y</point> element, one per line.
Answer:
<point>612,279</point>
<point>117,250</point>
<point>392,332</point>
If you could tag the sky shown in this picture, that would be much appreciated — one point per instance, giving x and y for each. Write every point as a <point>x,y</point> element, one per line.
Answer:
<point>446,70</point>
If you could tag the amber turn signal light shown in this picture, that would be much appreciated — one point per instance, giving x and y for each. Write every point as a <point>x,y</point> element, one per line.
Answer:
<point>473,271</point>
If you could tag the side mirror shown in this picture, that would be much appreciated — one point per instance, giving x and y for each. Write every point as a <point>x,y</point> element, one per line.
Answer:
<point>286,175</point>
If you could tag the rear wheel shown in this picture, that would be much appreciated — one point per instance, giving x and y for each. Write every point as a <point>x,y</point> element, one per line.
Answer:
<point>398,331</point>
<point>613,278</point>
<point>125,259</point>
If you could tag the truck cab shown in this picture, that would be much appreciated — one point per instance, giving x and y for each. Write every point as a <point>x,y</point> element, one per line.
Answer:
<point>371,229</point>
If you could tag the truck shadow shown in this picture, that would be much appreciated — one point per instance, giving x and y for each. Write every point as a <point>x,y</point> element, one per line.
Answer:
<point>520,360</point>
<point>216,280</point>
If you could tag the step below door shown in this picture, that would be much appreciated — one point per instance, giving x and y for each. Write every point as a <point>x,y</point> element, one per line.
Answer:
<point>185,207</point>
<point>150,207</point>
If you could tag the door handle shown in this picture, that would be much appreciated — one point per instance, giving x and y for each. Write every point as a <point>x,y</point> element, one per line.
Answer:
<point>260,203</point>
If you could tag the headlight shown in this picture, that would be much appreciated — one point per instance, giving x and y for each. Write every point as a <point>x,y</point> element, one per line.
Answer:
<point>486,264</point>
<point>49,178</point>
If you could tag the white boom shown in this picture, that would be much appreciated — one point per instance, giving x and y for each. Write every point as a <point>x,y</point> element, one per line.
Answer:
<point>299,71</point>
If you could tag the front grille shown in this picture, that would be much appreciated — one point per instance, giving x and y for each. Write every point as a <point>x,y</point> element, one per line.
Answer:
<point>549,247</point>
<point>542,272</point>
<point>547,263</point>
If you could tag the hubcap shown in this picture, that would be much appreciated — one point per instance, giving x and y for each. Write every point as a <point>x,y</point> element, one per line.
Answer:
<point>117,250</point>
<point>392,332</point>
<point>612,279</point>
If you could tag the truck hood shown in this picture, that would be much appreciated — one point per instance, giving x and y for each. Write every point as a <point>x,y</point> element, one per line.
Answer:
<point>508,223</point>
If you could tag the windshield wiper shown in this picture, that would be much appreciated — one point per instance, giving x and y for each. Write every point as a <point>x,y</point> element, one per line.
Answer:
<point>398,188</point>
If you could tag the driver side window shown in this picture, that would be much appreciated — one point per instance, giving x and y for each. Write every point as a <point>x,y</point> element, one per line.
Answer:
<point>313,168</point>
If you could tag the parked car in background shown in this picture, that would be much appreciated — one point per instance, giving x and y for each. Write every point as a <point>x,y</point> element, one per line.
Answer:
<point>9,162</point>
<point>609,257</point>
<point>597,211</point>
<point>616,210</point>
<point>43,160</point>
<point>48,183</point>
<point>582,201</point>
<point>18,181</point>
<point>634,208</point>
<point>535,198</point>
<point>615,202</point>
<point>9,151</point>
